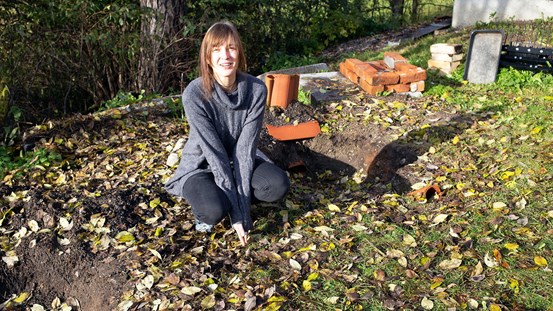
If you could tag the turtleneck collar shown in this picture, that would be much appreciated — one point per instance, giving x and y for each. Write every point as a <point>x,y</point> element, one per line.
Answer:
<point>234,99</point>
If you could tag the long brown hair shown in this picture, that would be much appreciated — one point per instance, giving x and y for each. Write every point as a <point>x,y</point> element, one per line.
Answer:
<point>218,34</point>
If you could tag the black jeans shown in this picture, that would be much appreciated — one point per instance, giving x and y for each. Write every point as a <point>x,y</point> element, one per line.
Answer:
<point>210,204</point>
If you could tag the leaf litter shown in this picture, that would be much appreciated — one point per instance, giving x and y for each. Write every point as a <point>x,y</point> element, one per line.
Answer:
<point>348,234</point>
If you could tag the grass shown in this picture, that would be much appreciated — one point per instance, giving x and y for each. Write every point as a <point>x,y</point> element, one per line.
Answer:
<point>499,173</point>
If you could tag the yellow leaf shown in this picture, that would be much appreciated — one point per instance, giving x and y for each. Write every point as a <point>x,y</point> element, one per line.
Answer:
<point>124,237</point>
<point>306,285</point>
<point>276,299</point>
<point>437,283</point>
<point>273,306</point>
<point>455,140</point>
<point>494,307</point>
<point>536,130</point>
<point>311,247</point>
<point>514,285</point>
<point>425,260</point>
<point>327,246</point>
<point>155,202</point>
<point>333,208</point>
<point>313,276</point>
<point>511,246</point>
<point>208,302</point>
<point>540,261</point>
<point>22,297</point>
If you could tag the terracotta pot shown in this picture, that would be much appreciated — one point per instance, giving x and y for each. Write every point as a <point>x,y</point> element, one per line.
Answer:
<point>303,130</point>
<point>427,192</point>
<point>282,89</point>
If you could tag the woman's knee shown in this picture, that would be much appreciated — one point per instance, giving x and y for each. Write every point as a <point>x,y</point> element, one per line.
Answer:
<point>209,203</point>
<point>270,183</point>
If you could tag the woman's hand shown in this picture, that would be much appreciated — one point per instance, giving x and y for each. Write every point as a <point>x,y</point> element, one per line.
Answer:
<point>242,234</point>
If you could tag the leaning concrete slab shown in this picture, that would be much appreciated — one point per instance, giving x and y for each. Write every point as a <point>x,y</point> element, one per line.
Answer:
<point>483,56</point>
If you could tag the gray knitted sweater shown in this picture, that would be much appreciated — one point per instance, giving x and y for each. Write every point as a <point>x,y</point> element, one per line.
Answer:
<point>223,137</point>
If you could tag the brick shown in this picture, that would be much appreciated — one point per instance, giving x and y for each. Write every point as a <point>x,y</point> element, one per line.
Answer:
<point>364,70</point>
<point>392,58</point>
<point>445,67</point>
<point>417,86</point>
<point>410,73</point>
<point>381,77</point>
<point>446,48</point>
<point>447,57</point>
<point>343,68</point>
<point>398,88</point>
<point>348,73</point>
<point>351,63</point>
<point>380,65</point>
<point>371,89</point>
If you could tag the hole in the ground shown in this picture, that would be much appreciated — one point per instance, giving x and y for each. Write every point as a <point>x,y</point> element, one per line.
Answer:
<point>47,270</point>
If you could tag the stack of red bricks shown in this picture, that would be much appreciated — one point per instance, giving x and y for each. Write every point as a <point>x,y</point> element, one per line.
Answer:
<point>392,74</point>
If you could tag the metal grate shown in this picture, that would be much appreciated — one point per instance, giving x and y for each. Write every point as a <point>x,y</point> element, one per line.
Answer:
<point>528,46</point>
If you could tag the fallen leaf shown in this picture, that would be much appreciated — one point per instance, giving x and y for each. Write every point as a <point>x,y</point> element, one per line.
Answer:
<point>333,208</point>
<point>495,307</point>
<point>190,290</point>
<point>409,240</point>
<point>427,304</point>
<point>379,275</point>
<point>352,295</point>
<point>478,269</point>
<point>323,228</point>
<point>511,246</point>
<point>455,140</point>
<point>33,225</point>
<point>498,206</point>
<point>332,300</point>
<point>439,218</point>
<point>250,303</point>
<point>21,298</point>
<point>306,285</point>
<point>540,261</point>
<point>449,264</point>
<point>359,228</point>
<point>208,302</point>
<point>37,307</point>
<point>490,261</point>
<point>10,260</point>
<point>295,265</point>
<point>515,286</point>
<point>472,303</point>
<point>124,237</point>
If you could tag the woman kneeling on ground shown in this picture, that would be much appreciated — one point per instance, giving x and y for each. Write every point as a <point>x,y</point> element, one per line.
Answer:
<point>221,170</point>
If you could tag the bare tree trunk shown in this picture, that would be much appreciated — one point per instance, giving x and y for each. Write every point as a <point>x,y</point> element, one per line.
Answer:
<point>160,23</point>
<point>415,11</point>
<point>397,8</point>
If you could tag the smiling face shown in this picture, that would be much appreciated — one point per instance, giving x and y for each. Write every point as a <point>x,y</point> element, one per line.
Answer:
<point>224,63</point>
<point>221,56</point>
